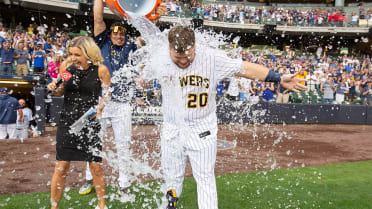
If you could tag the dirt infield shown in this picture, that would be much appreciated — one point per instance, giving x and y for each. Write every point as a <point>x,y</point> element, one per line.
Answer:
<point>28,166</point>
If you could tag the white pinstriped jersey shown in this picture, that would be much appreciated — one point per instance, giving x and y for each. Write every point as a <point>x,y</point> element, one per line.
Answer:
<point>189,94</point>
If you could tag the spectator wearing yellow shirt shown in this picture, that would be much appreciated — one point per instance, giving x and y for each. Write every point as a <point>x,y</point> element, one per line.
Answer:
<point>30,29</point>
<point>302,76</point>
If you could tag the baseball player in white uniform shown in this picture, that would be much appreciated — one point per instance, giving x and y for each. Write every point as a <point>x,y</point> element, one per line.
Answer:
<point>189,74</point>
<point>23,129</point>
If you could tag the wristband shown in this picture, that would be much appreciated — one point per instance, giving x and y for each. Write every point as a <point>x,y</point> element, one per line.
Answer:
<point>273,77</point>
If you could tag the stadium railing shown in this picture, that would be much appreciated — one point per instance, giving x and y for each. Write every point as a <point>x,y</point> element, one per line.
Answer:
<point>188,13</point>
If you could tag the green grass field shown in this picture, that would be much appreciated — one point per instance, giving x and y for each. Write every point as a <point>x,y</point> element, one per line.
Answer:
<point>338,186</point>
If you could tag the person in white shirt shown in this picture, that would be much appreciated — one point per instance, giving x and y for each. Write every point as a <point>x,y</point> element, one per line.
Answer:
<point>354,19</point>
<point>41,29</point>
<point>244,85</point>
<point>318,76</point>
<point>58,48</point>
<point>233,89</point>
<point>311,81</point>
<point>173,7</point>
<point>319,51</point>
<point>3,32</point>
<point>22,128</point>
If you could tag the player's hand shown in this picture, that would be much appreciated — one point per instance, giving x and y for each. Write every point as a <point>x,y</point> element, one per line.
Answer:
<point>161,10</point>
<point>291,82</point>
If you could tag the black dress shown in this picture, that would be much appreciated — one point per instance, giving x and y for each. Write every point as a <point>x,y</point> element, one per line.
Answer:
<point>81,92</point>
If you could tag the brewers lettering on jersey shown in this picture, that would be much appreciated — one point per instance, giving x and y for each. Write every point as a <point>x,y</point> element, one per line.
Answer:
<point>189,74</point>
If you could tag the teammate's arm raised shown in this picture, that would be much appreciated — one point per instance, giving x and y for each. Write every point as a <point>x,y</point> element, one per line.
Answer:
<point>99,24</point>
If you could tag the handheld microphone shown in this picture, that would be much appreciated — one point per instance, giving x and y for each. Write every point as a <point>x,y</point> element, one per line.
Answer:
<point>65,76</point>
<point>59,81</point>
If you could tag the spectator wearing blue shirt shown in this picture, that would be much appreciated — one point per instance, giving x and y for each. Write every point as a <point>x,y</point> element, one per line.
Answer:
<point>8,114</point>
<point>367,93</point>
<point>342,88</point>
<point>22,56</point>
<point>2,40</point>
<point>283,94</point>
<point>6,54</point>
<point>220,90</point>
<point>268,92</point>
<point>39,59</point>
<point>207,14</point>
<point>348,67</point>
<point>52,32</point>
<point>48,46</point>
<point>328,89</point>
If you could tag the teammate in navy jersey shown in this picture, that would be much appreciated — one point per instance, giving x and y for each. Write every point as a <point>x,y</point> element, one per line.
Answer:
<point>116,46</point>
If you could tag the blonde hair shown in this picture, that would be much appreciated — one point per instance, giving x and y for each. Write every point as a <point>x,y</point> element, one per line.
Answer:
<point>89,48</point>
<point>54,58</point>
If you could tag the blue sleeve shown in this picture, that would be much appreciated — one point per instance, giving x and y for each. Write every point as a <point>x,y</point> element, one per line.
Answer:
<point>2,40</point>
<point>102,38</point>
<point>17,105</point>
<point>133,46</point>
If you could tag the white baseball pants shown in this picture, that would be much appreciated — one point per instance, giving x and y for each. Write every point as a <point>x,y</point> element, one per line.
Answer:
<point>174,158</point>
<point>8,129</point>
<point>22,133</point>
<point>120,117</point>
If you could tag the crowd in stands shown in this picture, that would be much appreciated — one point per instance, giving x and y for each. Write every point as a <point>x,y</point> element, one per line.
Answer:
<point>35,50</point>
<point>272,15</point>
<point>32,50</point>
<point>330,80</point>
<point>39,50</point>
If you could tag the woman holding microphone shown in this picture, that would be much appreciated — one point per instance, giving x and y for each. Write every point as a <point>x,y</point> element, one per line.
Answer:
<point>84,79</point>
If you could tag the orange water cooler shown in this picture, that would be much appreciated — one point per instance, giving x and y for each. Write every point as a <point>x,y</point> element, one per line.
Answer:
<point>125,8</point>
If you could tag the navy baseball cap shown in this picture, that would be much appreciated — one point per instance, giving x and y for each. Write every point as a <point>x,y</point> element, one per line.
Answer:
<point>3,89</point>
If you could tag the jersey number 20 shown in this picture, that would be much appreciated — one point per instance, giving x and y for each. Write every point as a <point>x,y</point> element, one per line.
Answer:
<point>193,100</point>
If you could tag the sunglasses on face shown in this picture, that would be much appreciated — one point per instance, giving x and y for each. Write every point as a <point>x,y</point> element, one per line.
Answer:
<point>117,29</point>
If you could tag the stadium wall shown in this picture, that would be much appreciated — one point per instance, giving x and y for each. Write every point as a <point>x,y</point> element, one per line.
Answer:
<point>244,113</point>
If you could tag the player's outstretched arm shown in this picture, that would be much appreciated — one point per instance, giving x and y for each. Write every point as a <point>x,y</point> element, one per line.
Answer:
<point>254,71</point>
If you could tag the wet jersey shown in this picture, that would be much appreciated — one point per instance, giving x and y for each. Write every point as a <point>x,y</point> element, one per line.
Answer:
<point>189,94</point>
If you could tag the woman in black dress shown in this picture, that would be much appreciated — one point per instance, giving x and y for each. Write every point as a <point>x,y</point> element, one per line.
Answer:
<point>84,80</point>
